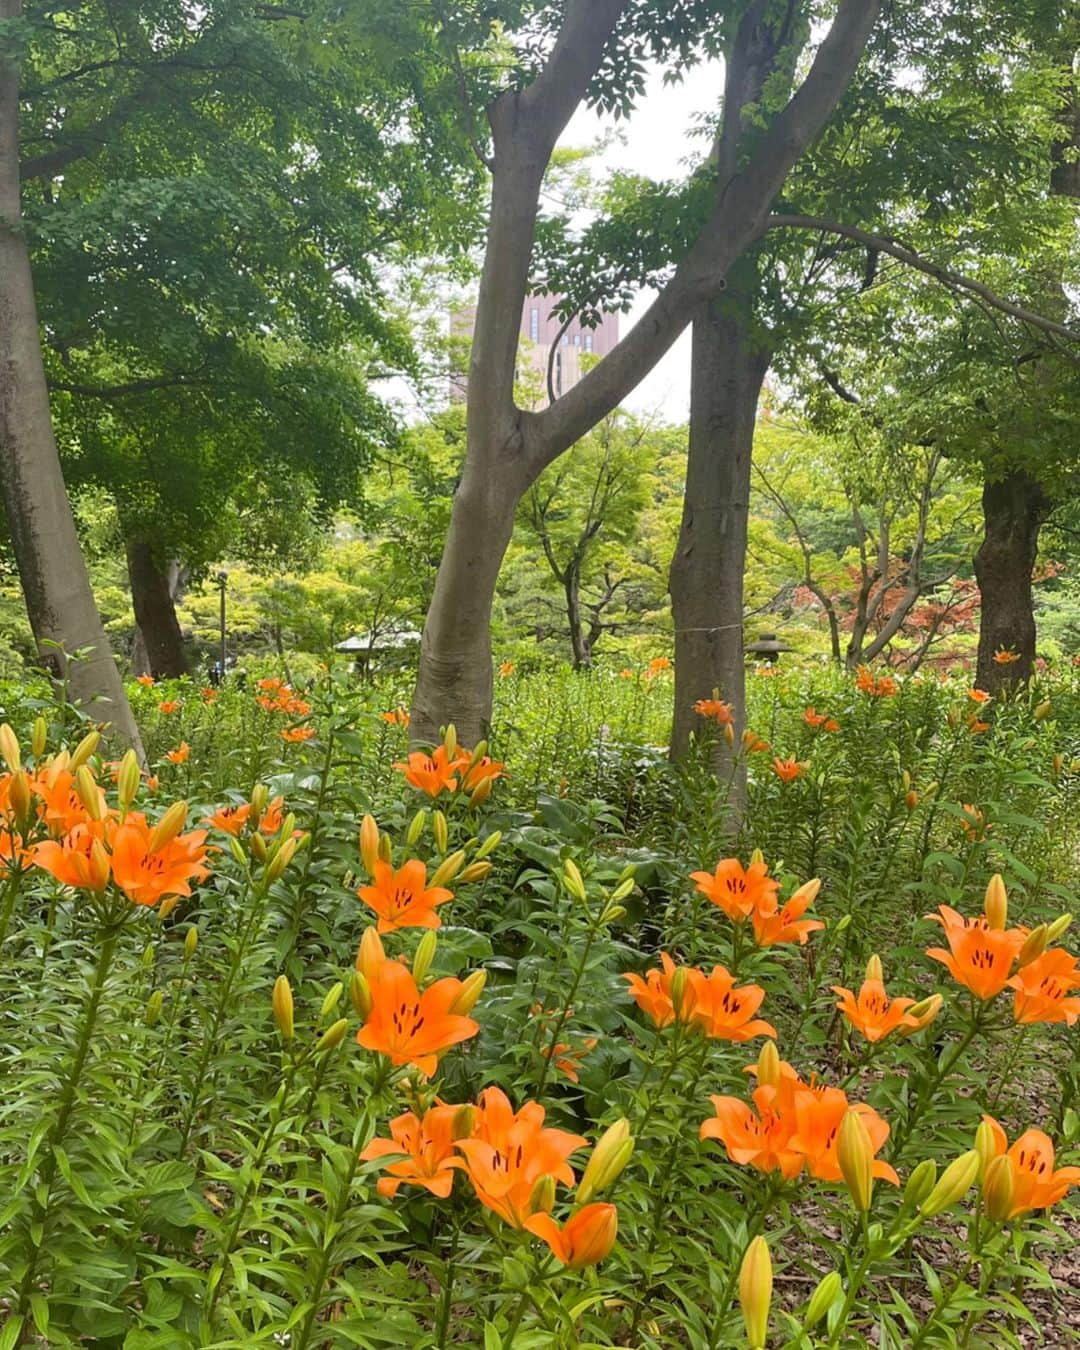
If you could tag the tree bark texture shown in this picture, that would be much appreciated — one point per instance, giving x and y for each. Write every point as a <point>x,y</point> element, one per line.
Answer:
<point>52,570</point>
<point>1014,509</point>
<point>706,581</point>
<point>153,598</point>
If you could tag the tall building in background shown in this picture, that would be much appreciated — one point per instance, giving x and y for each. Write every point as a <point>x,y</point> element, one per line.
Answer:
<point>540,327</point>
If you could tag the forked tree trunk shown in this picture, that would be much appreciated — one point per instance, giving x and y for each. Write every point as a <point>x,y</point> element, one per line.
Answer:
<point>706,579</point>
<point>52,570</point>
<point>1014,509</point>
<point>155,611</point>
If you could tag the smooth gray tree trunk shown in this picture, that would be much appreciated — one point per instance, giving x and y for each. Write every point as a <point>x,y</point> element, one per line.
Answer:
<point>59,601</point>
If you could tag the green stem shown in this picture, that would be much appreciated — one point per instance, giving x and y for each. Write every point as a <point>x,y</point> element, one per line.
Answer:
<point>564,1014</point>
<point>854,1285</point>
<point>68,1097</point>
<point>1017,1045</point>
<point>756,1225</point>
<point>11,895</point>
<point>317,1282</point>
<point>447,1298</point>
<point>933,1082</point>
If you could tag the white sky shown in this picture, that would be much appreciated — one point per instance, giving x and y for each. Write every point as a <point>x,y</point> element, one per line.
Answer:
<point>656,141</point>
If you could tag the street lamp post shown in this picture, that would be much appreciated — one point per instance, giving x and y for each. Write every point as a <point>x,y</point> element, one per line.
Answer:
<point>222,578</point>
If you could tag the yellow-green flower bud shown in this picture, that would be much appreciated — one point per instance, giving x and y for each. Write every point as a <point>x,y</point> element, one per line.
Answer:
<point>282,857</point>
<point>84,750</point>
<point>767,1069</point>
<point>260,795</point>
<point>450,740</point>
<point>127,780</point>
<point>996,903</point>
<point>873,968</point>
<point>954,1184</point>
<point>985,1145</point>
<point>191,941</point>
<point>572,879</point>
<point>237,850</point>
<point>855,1154</point>
<point>448,869</point>
<point>471,989</point>
<point>542,1199</point>
<point>153,1007</point>
<point>39,736</point>
<point>87,790</point>
<point>168,827</point>
<point>425,954</point>
<point>440,830</point>
<point>822,1299</point>
<point>921,1182</point>
<point>755,1292</point>
<point>9,747</point>
<point>463,1123</point>
<point>1058,928</point>
<point>1034,946</point>
<point>611,1154</point>
<point>999,1188</point>
<point>488,845</point>
<point>332,1036</point>
<point>476,871</point>
<point>360,994</point>
<point>282,1003</point>
<point>332,999</point>
<point>369,843</point>
<point>924,1013</point>
<point>416,828</point>
<point>1042,711</point>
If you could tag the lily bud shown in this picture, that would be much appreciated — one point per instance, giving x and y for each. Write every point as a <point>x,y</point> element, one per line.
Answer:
<point>236,848</point>
<point>1034,946</point>
<point>678,989</point>
<point>729,733</point>
<point>807,892</point>
<point>822,1299</point>
<point>127,780</point>
<point>755,1292</point>
<point>450,741</point>
<point>611,1154</point>
<point>855,1154</point>
<point>768,1065</point>
<point>921,1182</point>
<point>924,1013</point>
<point>332,1036</point>
<point>39,736</point>
<point>153,1007</point>
<point>84,750</point>
<point>448,869</point>
<point>282,857</point>
<point>282,1003</point>
<point>416,828</point>
<point>88,792</point>
<point>996,903</point>
<point>999,1188</point>
<point>369,843</point>
<point>1057,764</point>
<point>757,856</point>
<point>168,827</point>
<point>873,968</point>
<point>985,1145</point>
<point>931,791</point>
<point>167,906</point>
<point>954,1184</point>
<point>386,849</point>
<point>843,924</point>
<point>471,989</point>
<point>475,871</point>
<point>1058,928</point>
<point>371,954</point>
<point>953,718</point>
<point>481,792</point>
<point>191,941</point>
<point>573,880</point>
<point>463,1123</point>
<point>905,780</point>
<point>425,954</point>
<point>542,1198</point>
<point>260,795</point>
<point>9,748</point>
<point>98,866</point>
<point>360,994</point>
<point>440,830</point>
<point>332,999</point>
<point>1042,711</point>
<point>20,797</point>
<point>488,845</point>
<point>911,799</point>
<point>478,753</point>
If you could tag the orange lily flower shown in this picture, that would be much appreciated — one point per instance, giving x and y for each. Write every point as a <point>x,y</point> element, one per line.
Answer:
<point>978,696</point>
<point>62,807</point>
<point>787,924</point>
<point>723,1012</point>
<point>1005,656</point>
<point>973,821</point>
<point>180,755</point>
<point>584,1240</point>
<point>506,668</point>
<point>653,993</point>
<point>1042,989</point>
<point>169,705</point>
<point>231,819</point>
<point>627,674</point>
<point>738,892</point>
<point>788,769</point>
<point>79,859</point>
<point>403,899</point>
<point>396,717</point>
<point>409,1027</point>
<point>656,667</point>
<point>508,1153</point>
<point>873,1013</point>
<point>979,957</point>
<point>485,770</point>
<point>819,1111</point>
<point>1036,1185</point>
<point>295,734</point>
<point>145,680</point>
<point>147,876</point>
<point>716,710</point>
<point>434,773</point>
<point>760,1138</point>
<point>208,694</point>
<point>273,817</point>
<point>567,1057</point>
<point>428,1144</point>
<point>753,743</point>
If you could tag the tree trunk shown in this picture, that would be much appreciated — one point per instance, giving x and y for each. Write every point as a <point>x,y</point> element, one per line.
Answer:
<point>55,584</point>
<point>579,642</point>
<point>706,581</point>
<point>1014,509</point>
<point>155,611</point>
